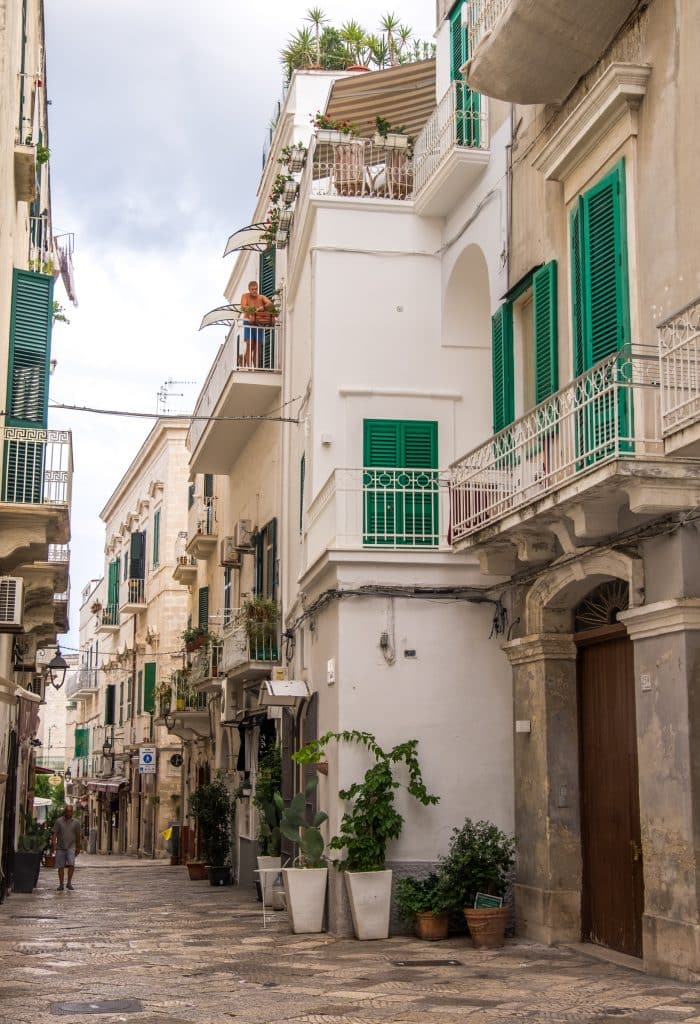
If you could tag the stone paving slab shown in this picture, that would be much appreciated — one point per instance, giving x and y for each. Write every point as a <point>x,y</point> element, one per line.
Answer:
<point>189,953</point>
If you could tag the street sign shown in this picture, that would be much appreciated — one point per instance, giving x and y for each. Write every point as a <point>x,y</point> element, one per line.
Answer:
<point>147,760</point>
<point>55,780</point>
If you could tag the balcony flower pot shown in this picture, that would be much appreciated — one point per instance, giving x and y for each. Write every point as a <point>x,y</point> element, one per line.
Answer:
<point>330,135</point>
<point>196,870</point>
<point>392,140</point>
<point>25,870</point>
<point>487,926</point>
<point>290,191</point>
<point>296,161</point>
<point>219,875</point>
<point>369,893</point>
<point>305,893</point>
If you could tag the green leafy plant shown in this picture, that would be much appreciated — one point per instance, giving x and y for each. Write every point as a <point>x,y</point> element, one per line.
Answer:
<point>267,783</point>
<point>479,859</point>
<point>420,896</point>
<point>58,315</point>
<point>213,808</point>
<point>36,836</point>
<point>260,615</point>
<point>199,635</point>
<point>295,826</point>
<point>43,155</point>
<point>372,820</point>
<point>294,153</point>
<point>345,127</point>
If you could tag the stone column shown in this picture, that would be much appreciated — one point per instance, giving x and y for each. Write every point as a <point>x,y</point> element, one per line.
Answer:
<point>547,824</point>
<point>666,637</point>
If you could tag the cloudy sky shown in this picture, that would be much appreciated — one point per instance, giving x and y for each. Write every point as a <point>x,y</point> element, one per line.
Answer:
<point>157,121</point>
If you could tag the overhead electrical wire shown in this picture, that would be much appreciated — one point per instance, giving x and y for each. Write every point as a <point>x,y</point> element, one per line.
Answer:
<point>168,416</point>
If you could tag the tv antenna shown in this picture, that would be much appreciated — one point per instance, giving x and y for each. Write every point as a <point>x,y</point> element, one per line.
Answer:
<point>165,393</point>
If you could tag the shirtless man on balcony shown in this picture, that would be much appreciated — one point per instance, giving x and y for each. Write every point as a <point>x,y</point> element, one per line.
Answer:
<point>254,305</point>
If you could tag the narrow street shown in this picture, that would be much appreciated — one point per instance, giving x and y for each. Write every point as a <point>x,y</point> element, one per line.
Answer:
<point>138,942</point>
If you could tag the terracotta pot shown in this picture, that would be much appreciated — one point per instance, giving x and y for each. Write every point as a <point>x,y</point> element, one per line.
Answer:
<point>487,926</point>
<point>432,927</point>
<point>357,67</point>
<point>196,870</point>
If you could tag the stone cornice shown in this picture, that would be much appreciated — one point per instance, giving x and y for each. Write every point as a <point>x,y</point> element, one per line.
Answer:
<point>616,95</point>
<point>541,647</point>
<point>664,617</point>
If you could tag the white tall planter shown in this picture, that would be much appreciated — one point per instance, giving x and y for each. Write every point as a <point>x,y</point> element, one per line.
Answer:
<point>267,878</point>
<point>369,893</point>
<point>305,889</point>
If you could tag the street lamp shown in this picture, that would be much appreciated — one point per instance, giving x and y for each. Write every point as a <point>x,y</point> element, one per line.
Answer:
<point>67,775</point>
<point>56,669</point>
<point>107,748</point>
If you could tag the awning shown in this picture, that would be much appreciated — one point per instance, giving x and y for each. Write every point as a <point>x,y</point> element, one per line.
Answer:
<point>221,315</point>
<point>403,95</point>
<point>108,785</point>
<point>248,238</point>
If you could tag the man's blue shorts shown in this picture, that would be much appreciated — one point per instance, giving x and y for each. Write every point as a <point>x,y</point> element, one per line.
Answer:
<point>252,333</point>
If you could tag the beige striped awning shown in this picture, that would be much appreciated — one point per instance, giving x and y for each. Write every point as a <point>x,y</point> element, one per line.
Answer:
<point>404,95</point>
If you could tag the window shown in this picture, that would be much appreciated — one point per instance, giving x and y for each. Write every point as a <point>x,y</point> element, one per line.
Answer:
<point>267,272</point>
<point>110,618</point>
<point>266,560</point>
<point>190,496</point>
<point>139,692</point>
<point>129,697</point>
<point>228,575</point>
<point>126,565</point>
<point>400,482</point>
<point>149,687</point>
<point>110,701</point>
<point>203,607</point>
<point>82,742</point>
<point>468,102</point>
<point>156,538</point>
<point>30,349</point>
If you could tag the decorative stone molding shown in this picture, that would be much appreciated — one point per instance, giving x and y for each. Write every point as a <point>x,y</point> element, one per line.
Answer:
<point>613,101</point>
<point>154,487</point>
<point>662,618</point>
<point>540,647</point>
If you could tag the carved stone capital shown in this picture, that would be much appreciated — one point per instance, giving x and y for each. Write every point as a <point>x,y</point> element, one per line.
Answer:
<point>541,647</point>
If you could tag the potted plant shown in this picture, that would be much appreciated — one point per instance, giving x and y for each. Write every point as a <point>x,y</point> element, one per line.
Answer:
<point>260,615</point>
<point>369,824</point>
<point>212,808</point>
<point>197,870</point>
<point>477,865</point>
<point>26,861</point>
<point>195,637</point>
<point>424,902</point>
<point>305,885</point>
<point>267,782</point>
<point>388,136</point>
<point>293,157</point>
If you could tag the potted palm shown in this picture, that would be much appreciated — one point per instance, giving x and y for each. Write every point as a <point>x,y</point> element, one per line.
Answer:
<point>370,823</point>
<point>474,874</point>
<point>267,783</point>
<point>423,902</point>
<point>212,807</point>
<point>305,885</point>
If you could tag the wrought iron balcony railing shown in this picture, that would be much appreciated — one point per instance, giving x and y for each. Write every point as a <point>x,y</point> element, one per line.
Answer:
<point>343,165</point>
<point>460,120</point>
<point>609,412</point>
<point>483,15</point>
<point>240,648</point>
<point>679,356</point>
<point>37,466</point>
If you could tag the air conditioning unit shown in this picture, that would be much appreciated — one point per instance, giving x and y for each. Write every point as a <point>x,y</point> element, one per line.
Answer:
<point>243,535</point>
<point>11,604</point>
<point>230,556</point>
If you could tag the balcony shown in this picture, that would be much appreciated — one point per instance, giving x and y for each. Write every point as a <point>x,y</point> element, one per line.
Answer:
<point>526,52</point>
<point>203,536</point>
<point>679,355</point>
<point>243,383</point>
<point>378,509</point>
<point>83,685</point>
<point>245,658</point>
<point>109,622</point>
<point>133,596</point>
<point>188,707</point>
<point>204,673</point>
<point>582,465</point>
<point>451,152</point>
<point>350,167</point>
<point>61,606</point>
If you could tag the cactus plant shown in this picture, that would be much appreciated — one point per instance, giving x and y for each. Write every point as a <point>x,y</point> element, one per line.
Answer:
<point>294,826</point>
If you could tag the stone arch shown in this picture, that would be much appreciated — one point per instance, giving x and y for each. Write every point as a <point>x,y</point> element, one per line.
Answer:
<point>551,600</point>
<point>467,302</point>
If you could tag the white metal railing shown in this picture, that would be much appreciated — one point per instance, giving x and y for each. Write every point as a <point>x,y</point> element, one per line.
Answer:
<point>247,349</point>
<point>609,412</point>
<point>42,255</point>
<point>37,466</point>
<point>348,166</point>
<point>202,517</point>
<point>59,552</point>
<point>679,360</point>
<point>186,697</point>
<point>205,663</point>
<point>483,15</point>
<point>110,615</point>
<point>85,679</point>
<point>375,507</point>
<point>459,120</point>
<point>240,649</point>
<point>133,591</point>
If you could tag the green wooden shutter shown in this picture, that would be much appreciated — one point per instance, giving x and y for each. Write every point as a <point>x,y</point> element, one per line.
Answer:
<point>121,702</point>
<point>113,584</point>
<point>110,702</point>
<point>82,742</point>
<point>577,323</point>
<point>400,506</point>
<point>156,538</point>
<point>30,349</point>
<point>137,562</point>
<point>267,274</point>
<point>139,693</point>
<point>502,367</point>
<point>544,292</point>
<point>458,42</point>
<point>203,606</point>
<point>149,687</point>
<point>606,304</point>
<point>208,485</point>
<point>302,478</point>
<point>468,102</point>
<point>129,696</point>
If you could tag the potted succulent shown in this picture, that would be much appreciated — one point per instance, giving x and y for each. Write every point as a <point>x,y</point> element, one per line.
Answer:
<point>212,808</point>
<point>424,902</point>
<point>267,783</point>
<point>369,824</point>
<point>474,872</point>
<point>305,885</point>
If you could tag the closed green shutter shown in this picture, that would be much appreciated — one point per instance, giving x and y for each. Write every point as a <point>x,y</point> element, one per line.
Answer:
<point>30,350</point>
<point>302,478</point>
<point>121,702</point>
<point>208,485</point>
<point>502,367</point>
<point>156,538</point>
<point>139,693</point>
<point>129,697</point>
<point>113,584</point>
<point>149,687</point>
<point>110,702</point>
<point>468,102</point>
<point>577,324</point>
<point>137,561</point>
<point>203,606</point>
<point>544,292</point>
<point>82,742</point>
<point>400,483</point>
<point>267,284</point>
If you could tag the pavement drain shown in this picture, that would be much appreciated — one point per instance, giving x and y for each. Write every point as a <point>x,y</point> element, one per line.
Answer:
<point>427,963</point>
<point>99,1006</point>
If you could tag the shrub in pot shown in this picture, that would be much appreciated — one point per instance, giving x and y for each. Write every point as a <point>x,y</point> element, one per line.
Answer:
<point>478,861</point>
<point>423,902</point>
<point>26,860</point>
<point>305,885</point>
<point>267,782</point>
<point>212,807</point>
<point>371,821</point>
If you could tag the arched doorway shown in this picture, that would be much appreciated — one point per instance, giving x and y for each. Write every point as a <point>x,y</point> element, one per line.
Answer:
<point>612,890</point>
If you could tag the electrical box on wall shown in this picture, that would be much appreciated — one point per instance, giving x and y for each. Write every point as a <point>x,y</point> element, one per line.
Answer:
<point>330,671</point>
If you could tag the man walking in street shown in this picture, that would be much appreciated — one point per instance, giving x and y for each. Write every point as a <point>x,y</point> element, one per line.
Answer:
<point>66,834</point>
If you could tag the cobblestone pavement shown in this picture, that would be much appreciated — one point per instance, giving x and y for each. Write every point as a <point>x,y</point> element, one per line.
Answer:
<point>181,952</point>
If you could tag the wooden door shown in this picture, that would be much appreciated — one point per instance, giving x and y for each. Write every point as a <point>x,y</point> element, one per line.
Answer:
<point>613,886</point>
